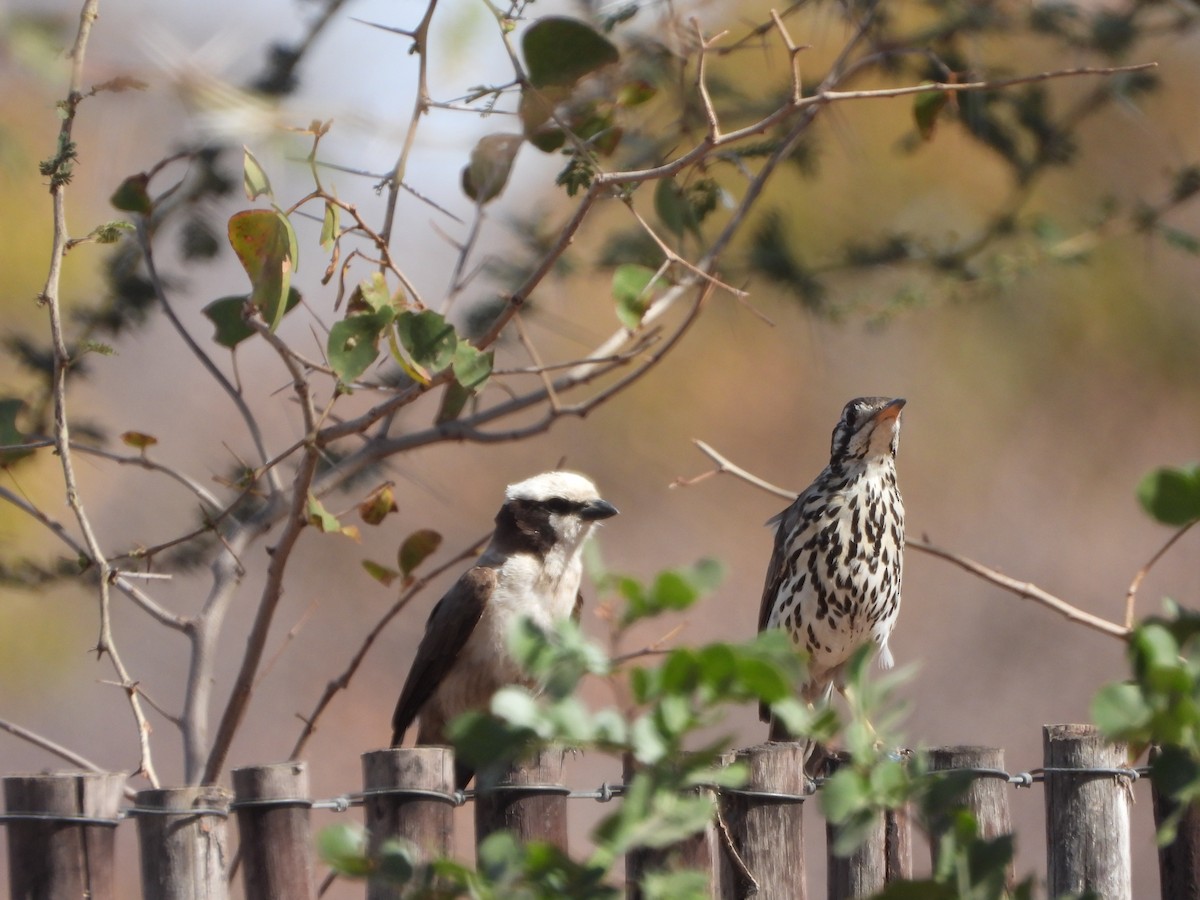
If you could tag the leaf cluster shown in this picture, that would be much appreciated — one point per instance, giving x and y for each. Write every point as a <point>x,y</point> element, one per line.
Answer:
<point>1160,705</point>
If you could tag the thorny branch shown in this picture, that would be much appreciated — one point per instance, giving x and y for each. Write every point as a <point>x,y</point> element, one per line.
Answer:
<point>105,643</point>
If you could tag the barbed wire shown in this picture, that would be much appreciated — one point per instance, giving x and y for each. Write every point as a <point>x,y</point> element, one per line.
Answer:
<point>605,793</point>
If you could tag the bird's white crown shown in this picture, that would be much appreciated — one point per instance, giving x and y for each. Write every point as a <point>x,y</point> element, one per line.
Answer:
<point>568,485</point>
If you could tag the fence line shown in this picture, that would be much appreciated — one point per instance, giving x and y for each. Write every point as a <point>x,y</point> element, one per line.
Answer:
<point>61,828</point>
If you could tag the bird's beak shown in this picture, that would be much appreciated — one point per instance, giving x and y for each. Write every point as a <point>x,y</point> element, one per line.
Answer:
<point>891,411</point>
<point>596,510</point>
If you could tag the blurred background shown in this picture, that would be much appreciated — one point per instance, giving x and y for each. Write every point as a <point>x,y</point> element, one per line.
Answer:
<point>1039,393</point>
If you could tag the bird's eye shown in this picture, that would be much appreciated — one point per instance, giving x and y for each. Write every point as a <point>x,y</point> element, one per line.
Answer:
<point>559,505</point>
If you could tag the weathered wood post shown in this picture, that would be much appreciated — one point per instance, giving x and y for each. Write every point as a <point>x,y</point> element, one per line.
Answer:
<point>61,834</point>
<point>1178,861</point>
<point>884,856</point>
<point>274,832</point>
<point>529,800</point>
<point>765,825</point>
<point>987,796</point>
<point>408,793</point>
<point>699,852</point>
<point>1087,814</point>
<point>181,834</point>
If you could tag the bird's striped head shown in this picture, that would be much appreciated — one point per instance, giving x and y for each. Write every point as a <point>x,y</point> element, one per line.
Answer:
<point>869,428</point>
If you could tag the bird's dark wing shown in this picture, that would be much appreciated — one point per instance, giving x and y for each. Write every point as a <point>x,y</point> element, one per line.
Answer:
<point>777,568</point>
<point>776,571</point>
<point>446,632</point>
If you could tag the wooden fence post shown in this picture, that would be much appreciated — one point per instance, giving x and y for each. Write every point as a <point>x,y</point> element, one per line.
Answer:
<point>884,856</point>
<point>528,800</point>
<point>1178,861</point>
<point>1087,814</point>
<point>56,858</point>
<point>181,833</point>
<point>763,825</point>
<point>274,833</point>
<point>408,793</point>
<point>987,796</point>
<point>700,852</point>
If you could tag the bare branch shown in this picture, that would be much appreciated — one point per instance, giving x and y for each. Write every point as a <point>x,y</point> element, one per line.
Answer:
<point>1024,590</point>
<point>239,699</point>
<point>725,466</point>
<point>57,749</point>
<point>420,37</point>
<point>1131,594</point>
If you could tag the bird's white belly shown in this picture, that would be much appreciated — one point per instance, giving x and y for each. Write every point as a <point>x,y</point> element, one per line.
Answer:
<point>484,664</point>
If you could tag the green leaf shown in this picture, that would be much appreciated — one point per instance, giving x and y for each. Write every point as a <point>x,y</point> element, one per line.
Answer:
<point>485,176</point>
<point>228,317</point>
<point>454,401</point>
<point>472,367</point>
<point>516,706</point>
<point>927,107</point>
<point>396,861</point>
<point>132,195</point>
<point>842,795</point>
<point>674,589</point>
<point>647,742</point>
<point>354,344</point>
<point>10,434</point>
<point>266,245</point>
<point>428,339</point>
<point>329,226</point>
<point>381,573</point>
<point>632,289</point>
<point>344,849</point>
<point>687,884</point>
<point>254,179</point>
<point>111,232</point>
<point>1171,496</point>
<point>672,208</point>
<point>1120,710</point>
<point>1180,240</point>
<point>326,521</point>
<point>371,295</point>
<point>417,548</point>
<point>560,50</point>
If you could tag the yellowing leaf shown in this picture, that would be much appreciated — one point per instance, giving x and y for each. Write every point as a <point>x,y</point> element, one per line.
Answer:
<point>139,440</point>
<point>378,504</point>
<point>265,244</point>
<point>254,178</point>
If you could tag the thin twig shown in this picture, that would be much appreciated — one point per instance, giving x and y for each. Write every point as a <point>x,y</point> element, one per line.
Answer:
<point>217,375</point>
<point>268,602</point>
<point>57,749</point>
<point>1024,590</point>
<point>1131,594</point>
